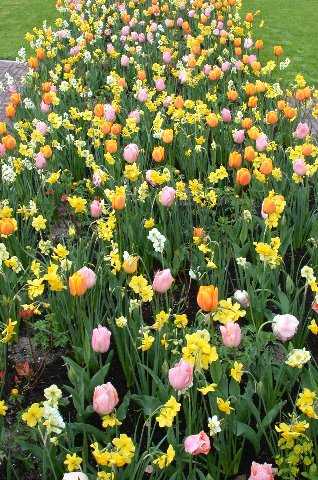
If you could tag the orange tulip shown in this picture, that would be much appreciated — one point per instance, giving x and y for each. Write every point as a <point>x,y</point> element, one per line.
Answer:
<point>47,151</point>
<point>266,167</point>
<point>9,142</point>
<point>167,135</point>
<point>8,226</point>
<point>207,298</point>
<point>271,118</point>
<point>235,160</point>
<point>250,89</point>
<point>158,154</point>
<point>247,123</point>
<point>179,102</point>
<point>198,232</point>
<point>77,284</point>
<point>249,154</point>
<point>268,206</point>
<point>243,177</point>
<point>33,63</point>
<point>116,129</point>
<point>212,120</point>
<point>252,102</point>
<point>111,146</point>
<point>119,201</point>
<point>40,53</point>
<point>99,110</point>
<point>232,95</point>
<point>130,265</point>
<point>10,111</point>
<point>15,98</point>
<point>259,44</point>
<point>3,128</point>
<point>278,50</point>
<point>307,149</point>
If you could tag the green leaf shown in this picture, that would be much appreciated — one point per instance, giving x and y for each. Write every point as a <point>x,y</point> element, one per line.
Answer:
<point>121,412</point>
<point>99,377</point>
<point>147,403</point>
<point>244,430</point>
<point>284,302</point>
<point>271,415</point>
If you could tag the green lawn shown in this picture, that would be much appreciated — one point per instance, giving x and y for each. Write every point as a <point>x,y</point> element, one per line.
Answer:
<point>290,23</point>
<point>294,25</point>
<point>18,17</point>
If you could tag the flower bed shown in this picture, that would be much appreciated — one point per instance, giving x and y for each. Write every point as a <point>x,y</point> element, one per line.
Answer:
<point>158,251</point>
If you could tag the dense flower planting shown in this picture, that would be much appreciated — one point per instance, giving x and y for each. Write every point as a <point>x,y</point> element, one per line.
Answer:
<point>159,230</point>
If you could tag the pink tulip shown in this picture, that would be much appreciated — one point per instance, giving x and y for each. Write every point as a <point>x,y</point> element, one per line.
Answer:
<point>160,84</point>
<point>252,59</point>
<point>182,77</point>
<point>2,149</point>
<point>124,61</point>
<point>167,196</point>
<point>261,142</point>
<point>166,57</point>
<point>301,131</point>
<point>207,69</point>
<point>150,37</point>
<point>239,136</point>
<point>162,281</point>
<point>285,326</point>
<point>179,21</point>
<point>226,115</point>
<point>105,399</point>
<point>167,101</point>
<point>261,471</point>
<point>231,334</point>
<point>300,167</point>
<point>96,209</point>
<point>125,30</point>
<point>142,95</point>
<point>314,306</point>
<point>134,36</point>
<point>42,127</point>
<point>181,375</point>
<point>135,114</point>
<point>40,161</point>
<point>153,27</point>
<point>225,66</point>
<point>101,339</point>
<point>131,153</point>
<point>197,444</point>
<point>44,107</point>
<point>110,113</point>
<point>191,13</point>
<point>89,276</point>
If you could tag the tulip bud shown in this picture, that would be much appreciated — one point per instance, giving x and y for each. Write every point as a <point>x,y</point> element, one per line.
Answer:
<point>101,339</point>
